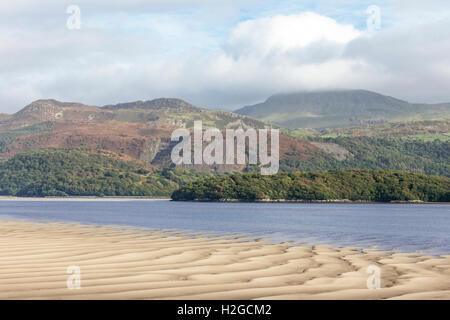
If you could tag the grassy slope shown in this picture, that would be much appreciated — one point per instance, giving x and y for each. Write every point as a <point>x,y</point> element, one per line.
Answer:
<point>209,118</point>
<point>8,137</point>
<point>419,146</point>
<point>338,109</point>
<point>432,157</point>
<point>427,130</point>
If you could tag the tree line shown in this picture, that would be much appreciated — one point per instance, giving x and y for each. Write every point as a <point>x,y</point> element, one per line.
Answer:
<point>367,185</point>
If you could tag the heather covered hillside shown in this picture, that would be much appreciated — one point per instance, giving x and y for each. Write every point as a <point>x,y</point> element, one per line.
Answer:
<point>141,131</point>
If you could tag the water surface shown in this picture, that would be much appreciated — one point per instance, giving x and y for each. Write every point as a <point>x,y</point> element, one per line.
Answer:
<point>407,227</point>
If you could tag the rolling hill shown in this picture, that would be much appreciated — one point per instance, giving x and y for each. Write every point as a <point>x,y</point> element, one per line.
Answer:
<point>426,130</point>
<point>141,131</point>
<point>340,109</point>
<point>172,112</point>
<point>138,130</point>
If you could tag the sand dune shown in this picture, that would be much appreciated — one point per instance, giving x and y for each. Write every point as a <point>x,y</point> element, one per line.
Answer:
<point>131,263</point>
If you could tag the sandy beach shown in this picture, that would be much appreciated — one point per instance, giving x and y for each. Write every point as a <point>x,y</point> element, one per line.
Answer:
<point>131,263</point>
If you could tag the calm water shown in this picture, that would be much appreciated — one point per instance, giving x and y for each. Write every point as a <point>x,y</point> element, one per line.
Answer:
<point>388,226</point>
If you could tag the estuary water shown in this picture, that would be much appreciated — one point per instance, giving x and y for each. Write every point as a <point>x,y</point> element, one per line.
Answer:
<point>405,227</point>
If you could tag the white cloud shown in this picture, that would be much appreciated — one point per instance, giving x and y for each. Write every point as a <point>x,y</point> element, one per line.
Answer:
<point>281,34</point>
<point>124,54</point>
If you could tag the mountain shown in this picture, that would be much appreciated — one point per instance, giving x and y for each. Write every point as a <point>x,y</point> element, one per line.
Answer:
<point>156,104</point>
<point>141,131</point>
<point>53,110</point>
<point>339,109</point>
<point>175,112</point>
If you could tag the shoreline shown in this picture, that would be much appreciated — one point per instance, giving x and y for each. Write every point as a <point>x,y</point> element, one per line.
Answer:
<point>281,201</point>
<point>82,198</point>
<point>213,233</point>
<point>131,263</point>
<point>336,201</point>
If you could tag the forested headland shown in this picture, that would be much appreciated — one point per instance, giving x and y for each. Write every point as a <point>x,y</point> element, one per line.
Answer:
<point>84,172</point>
<point>354,185</point>
<point>79,172</point>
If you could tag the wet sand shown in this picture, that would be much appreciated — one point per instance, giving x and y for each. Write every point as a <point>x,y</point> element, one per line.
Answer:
<point>132,263</point>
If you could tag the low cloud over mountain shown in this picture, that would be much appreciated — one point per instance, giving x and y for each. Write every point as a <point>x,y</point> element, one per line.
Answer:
<point>218,54</point>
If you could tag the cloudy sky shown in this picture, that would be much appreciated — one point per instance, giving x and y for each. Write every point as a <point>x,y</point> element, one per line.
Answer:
<point>220,53</point>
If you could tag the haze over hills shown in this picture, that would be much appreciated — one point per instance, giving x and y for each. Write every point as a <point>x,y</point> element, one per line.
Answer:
<point>340,109</point>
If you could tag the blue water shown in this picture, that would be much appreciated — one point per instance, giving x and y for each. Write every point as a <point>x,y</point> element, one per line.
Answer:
<point>407,227</point>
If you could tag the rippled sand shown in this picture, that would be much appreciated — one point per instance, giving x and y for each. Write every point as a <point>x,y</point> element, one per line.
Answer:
<point>126,263</point>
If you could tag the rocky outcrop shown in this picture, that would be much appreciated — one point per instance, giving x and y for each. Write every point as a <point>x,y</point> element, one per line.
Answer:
<point>162,103</point>
<point>53,110</point>
<point>338,152</point>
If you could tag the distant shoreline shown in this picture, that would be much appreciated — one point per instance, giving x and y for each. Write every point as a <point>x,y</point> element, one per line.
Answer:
<point>118,199</point>
<point>337,201</point>
<point>81,198</point>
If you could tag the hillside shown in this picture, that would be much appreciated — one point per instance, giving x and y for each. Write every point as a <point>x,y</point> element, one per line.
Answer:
<point>172,112</point>
<point>339,109</point>
<point>138,130</point>
<point>429,157</point>
<point>53,110</point>
<point>141,131</point>
<point>427,130</point>
<point>365,185</point>
<point>83,172</point>
<point>149,143</point>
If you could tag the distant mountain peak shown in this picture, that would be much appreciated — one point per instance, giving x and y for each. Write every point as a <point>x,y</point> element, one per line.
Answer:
<point>339,108</point>
<point>357,95</point>
<point>54,103</point>
<point>43,110</point>
<point>160,103</point>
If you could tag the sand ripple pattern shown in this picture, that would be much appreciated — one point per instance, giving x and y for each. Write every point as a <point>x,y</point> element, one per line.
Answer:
<point>126,263</point>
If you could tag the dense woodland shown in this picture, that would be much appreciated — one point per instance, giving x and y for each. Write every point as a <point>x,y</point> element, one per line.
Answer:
<point>83,172</point>
<point>368,185</point>
<point>429,157</point>
<point>385,149</point>
<point>80,173</point>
